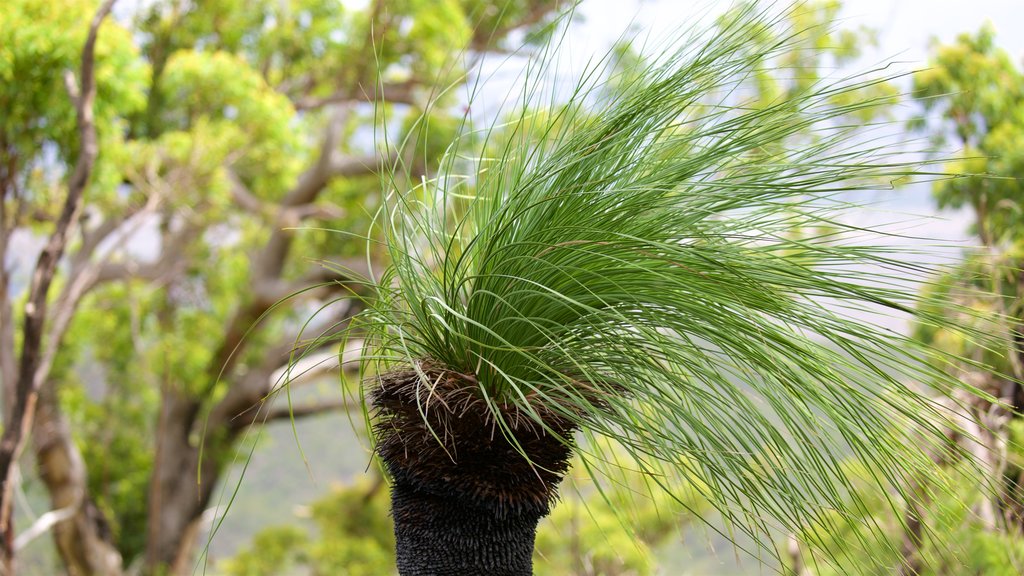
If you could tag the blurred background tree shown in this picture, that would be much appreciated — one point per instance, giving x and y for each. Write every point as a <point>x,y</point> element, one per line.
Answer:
<point>223,126</point>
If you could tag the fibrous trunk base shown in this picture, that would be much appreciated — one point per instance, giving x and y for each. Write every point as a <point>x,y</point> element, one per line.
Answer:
<point>465,499</point>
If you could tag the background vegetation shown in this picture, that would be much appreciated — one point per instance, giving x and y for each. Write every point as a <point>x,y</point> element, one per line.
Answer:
<point>223,128</point>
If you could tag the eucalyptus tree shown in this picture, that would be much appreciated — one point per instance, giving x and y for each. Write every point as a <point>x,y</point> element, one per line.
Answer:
<point>218,128</point>
<point>623,270</point>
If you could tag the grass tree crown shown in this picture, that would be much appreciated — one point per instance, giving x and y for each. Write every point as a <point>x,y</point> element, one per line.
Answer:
<point>658,262</point>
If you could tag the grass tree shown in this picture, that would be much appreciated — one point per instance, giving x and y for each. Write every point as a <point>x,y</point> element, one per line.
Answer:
<point>658,263</point>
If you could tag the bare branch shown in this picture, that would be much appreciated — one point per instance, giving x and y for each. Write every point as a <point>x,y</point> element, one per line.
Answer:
<point>71,85</point>
<point>313,284</point>
<point>314,365</point>
<point>266,295</point>
<point>91,239</point>
<point>290,215</point>
<point>172,258</point>
<point>43,524</point>
<point>8,359</point>
<point>252,397</point>
<point>297,412</point>
<point>397,93</point>
<point>312,181</point>
<point>268,264</point>
<point>243,197</point>
<point>27,388</point>
<point>486,40</point>
<point>87,273</point>
<point>352,166</point>
<point>251,389</point>
<point>318,211</point>
<point>796,557</point>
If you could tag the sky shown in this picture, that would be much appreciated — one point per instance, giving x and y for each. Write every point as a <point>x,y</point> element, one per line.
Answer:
<point>905,26</point>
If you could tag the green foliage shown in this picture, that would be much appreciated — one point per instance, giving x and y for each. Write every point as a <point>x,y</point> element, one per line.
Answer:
<point>39,43</point>
<point>954,540</point>
<point>611,529</point>
<point>838,546</point>
<point>106,423</point>
<point>354,536</point>
<point>579,540</point>
<point>273,551</point>
<point>251,120</point>
<point>356,531</point>
<point>200,104</point>
<point>977,292</point>
<point>284,40</point>
<point>973,94</point>
<point>436,38</point>
<point>814,45</point>
<point>697,299</point>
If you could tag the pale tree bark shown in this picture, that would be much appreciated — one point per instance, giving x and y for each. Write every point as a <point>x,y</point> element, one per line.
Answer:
<point>912,545</point>
<point>796,557</point>
<point>177,500</point>
<point>980,427</point>
<point>80,532</point>
<point>193,452</point>
<point>177,503</point>
<point>1013,393</point>
<point>185,477</point>
<point>79,528</point>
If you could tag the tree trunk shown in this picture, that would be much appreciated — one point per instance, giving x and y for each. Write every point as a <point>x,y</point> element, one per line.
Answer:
<point>26,389</point>
<point>83,538</point>
<point>177,499</point>
<point>176,507</point>
<point>440,534</point>
<point>467,496</point>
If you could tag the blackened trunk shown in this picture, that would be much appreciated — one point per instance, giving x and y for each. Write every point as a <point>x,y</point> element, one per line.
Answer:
<point>442,535</point>
<point>469,486</point>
